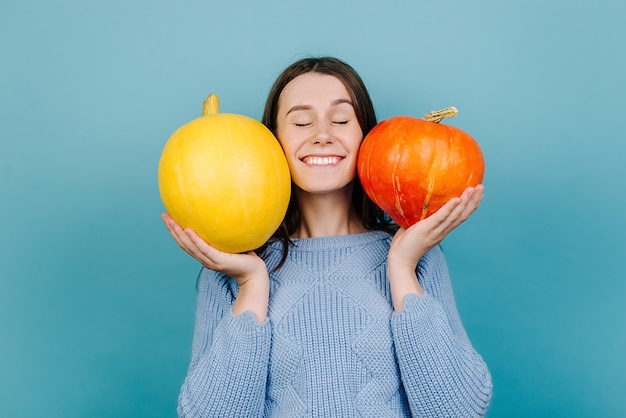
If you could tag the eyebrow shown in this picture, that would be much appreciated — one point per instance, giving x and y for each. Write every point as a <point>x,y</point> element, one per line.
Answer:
<point>308,107</point>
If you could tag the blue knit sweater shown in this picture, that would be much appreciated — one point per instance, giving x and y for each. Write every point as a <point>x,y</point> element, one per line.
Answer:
<point>331,345</point>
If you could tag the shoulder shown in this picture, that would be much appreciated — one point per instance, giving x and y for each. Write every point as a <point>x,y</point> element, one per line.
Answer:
<point>433,273</point>
<point>434,256</point>
<point>210,281</point>
<point>207,276</point>
<point>433,263</point>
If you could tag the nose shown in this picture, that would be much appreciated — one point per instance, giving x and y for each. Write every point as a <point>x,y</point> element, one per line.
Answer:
<point>322,134</point>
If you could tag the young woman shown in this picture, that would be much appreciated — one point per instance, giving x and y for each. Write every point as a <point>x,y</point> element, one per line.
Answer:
<point>340,314</point>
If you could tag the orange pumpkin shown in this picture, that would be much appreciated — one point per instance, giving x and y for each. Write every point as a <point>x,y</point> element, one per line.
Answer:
<point>410,167</point>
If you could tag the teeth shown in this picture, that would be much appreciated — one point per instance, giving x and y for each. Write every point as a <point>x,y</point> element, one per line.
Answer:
<point>321,160</point>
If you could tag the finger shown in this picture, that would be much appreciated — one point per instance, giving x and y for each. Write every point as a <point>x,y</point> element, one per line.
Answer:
<point>470,199</point>
<point>447,214</point>
<point>183,239</point>
<point>453,213</point>
<point>195,246</point>
<point>172,228</point>
<point>472,203</point>
<point>215,259</point>
<point>206,250</point>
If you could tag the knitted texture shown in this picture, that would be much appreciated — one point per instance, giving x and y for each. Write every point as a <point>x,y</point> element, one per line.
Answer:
<point>331,345</point>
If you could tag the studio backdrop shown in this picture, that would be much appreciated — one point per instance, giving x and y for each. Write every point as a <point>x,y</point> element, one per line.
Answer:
<point>97,301</point>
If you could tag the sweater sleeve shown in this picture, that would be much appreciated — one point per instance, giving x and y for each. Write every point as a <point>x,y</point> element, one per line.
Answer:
<point>442,374</point>
<point>228,370</point>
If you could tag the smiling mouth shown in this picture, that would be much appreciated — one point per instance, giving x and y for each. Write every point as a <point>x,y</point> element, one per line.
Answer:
<point>321,161</point>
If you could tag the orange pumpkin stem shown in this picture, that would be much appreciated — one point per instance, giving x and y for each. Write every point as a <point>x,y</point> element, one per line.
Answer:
<point>438,115</point>
<point>211,105</point>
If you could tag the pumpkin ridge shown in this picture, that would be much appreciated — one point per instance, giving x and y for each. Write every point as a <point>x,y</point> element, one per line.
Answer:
<point>397,189</point>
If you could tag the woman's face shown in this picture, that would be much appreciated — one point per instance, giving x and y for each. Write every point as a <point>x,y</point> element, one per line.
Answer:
<point>319,132</point>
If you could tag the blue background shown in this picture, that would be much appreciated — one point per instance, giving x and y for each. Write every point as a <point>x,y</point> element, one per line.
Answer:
<point>97,301</point>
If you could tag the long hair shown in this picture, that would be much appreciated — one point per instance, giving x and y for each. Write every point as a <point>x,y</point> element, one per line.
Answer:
<point>372,216</point>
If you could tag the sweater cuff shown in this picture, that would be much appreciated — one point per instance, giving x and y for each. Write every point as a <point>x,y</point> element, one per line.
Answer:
<point>246,324</point>
<point>415,306</point>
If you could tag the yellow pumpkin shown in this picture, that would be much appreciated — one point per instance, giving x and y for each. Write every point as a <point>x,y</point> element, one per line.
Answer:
<point>226,177</point>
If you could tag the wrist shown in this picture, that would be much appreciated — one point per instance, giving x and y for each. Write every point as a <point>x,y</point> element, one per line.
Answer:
<point>402,281</point>
<point>253,296</point>
<point>404,257</point>
<point>399,266</point>
<point>257,284</point>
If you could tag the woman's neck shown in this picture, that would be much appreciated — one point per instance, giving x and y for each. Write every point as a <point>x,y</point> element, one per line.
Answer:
<point>328,214</point>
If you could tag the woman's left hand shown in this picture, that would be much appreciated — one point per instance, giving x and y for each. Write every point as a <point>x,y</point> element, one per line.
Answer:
<point>409,245</point>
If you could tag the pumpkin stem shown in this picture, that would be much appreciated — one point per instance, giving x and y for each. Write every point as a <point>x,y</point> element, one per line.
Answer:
<point>211,105</point>
<point>437,115</point>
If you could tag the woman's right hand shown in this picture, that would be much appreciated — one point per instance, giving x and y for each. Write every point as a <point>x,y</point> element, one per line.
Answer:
<point>248,268</point>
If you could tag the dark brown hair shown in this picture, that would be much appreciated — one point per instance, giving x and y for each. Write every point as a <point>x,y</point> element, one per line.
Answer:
<point>372,216</point>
